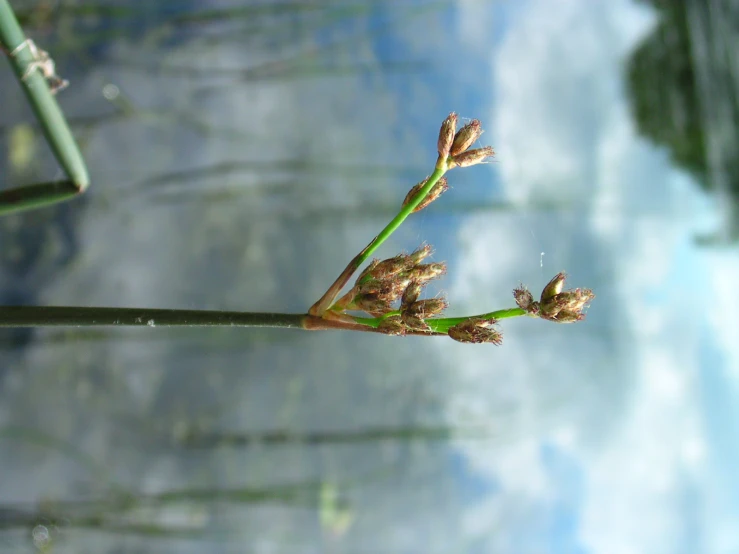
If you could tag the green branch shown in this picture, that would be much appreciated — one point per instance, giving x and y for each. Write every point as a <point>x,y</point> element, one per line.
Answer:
<point>60,316</point>
<point>443,324</point>
<point>333,291</point>
<point>34,68</point>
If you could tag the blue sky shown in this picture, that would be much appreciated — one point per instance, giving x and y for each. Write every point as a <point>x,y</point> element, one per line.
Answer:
<point>666,359</point>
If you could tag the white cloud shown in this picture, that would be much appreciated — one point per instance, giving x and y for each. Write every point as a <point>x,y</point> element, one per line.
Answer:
<point>557,71</point>
<point>632,419</point>
<point>724,321</point>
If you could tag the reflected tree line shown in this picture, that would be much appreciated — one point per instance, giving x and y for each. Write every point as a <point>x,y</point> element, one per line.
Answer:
<point>683,83</point>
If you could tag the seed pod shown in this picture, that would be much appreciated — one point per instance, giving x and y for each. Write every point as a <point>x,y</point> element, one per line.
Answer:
<point>373,304</point>
<point>367,270</point>
<point>554,286</point>
<point>471,157</point>
<point>392,326</point>
<point>466,137</point>
<point>414,323</point>
<point>446,135</point>
<point>428,307</point>
<point>525,299</point>
<point>410,295</point>
<point>427,272</point>
<point>563,306</point>
<point>476,331</point>
<point>391,266</point>
<point>420,254</point>
<point>437,190</point>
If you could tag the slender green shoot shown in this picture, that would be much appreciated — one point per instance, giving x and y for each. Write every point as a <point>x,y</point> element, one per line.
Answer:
<point>36,73</point>
<point>443,324</point>
<point>388,290</point>
<point>330,295</point>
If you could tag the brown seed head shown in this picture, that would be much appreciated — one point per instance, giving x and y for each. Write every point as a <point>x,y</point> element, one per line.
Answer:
<point>569,316</point>
<point>563,306</point>
<point>554,286</point>
<point>525,299</point>
<point>367,270</point>
<point>428,307</point>
<point>466,137</point>
<point>420,254</point>
<point>369,286</point>
<point>388,290</point>
<point>427,272</point>
<point>392,326</point>
<point>437,190</point>
<point>373,304</point>
<point>471,157</point>
<point>392,266</point>
<point>476,330</point>
<point>410,295</point>
<point>446,135</point>
<point>414,322</point>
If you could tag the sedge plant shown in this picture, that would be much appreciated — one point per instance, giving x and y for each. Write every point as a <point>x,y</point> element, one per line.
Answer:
<point>385,297</point>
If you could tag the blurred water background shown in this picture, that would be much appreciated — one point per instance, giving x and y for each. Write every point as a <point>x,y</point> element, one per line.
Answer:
<point>242,152</point>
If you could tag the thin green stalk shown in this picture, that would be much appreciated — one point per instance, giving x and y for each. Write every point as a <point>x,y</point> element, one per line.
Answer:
<point>54,126</point>
<point>60,316</point>
<point>36,196</point>
<point>75,316</point>
<point>333,291</point>
<point>443,324</point>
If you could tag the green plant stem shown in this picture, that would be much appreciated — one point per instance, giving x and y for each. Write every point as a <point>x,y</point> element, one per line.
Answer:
<point>49,114</point>
<point>442,325</point>
<point>36,196</point>
<point>320,307</point>
<point>74,316</point>
<point>60,316</point>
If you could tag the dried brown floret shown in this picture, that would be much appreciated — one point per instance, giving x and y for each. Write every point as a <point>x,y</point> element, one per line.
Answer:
<point>414,323</point>
<point>410,295</point>
<point>471,157</point>
<point>477,330</point>
<point>563,306</point>
<point>466,137</point>
<point>420,254</point>
<point>392,326</point>
<point>427,272</point>
<point>427,307</point>
<point>446,135</point>
<point>525,299</point>
<point>437,190</point>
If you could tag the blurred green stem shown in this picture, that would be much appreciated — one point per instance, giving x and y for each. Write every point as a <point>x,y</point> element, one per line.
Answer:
<point>31,76</point>
<point>36,196</point>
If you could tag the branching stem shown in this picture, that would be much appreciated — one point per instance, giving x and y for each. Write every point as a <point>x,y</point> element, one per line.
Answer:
<point>320,307</point>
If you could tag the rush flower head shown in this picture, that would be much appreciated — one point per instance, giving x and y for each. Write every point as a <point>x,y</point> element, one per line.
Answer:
<point>428,307</point>
<point>563,306</point>
<point>414,322</point>
<point>525,300</point>
<point>477,330</point>
<point>392,326</point>
<point>466,137</point>
<point>437,190</point>
<point>411,294</point>
<point>471,157</point>
<point>446,135</point>
<point>427,272</point>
